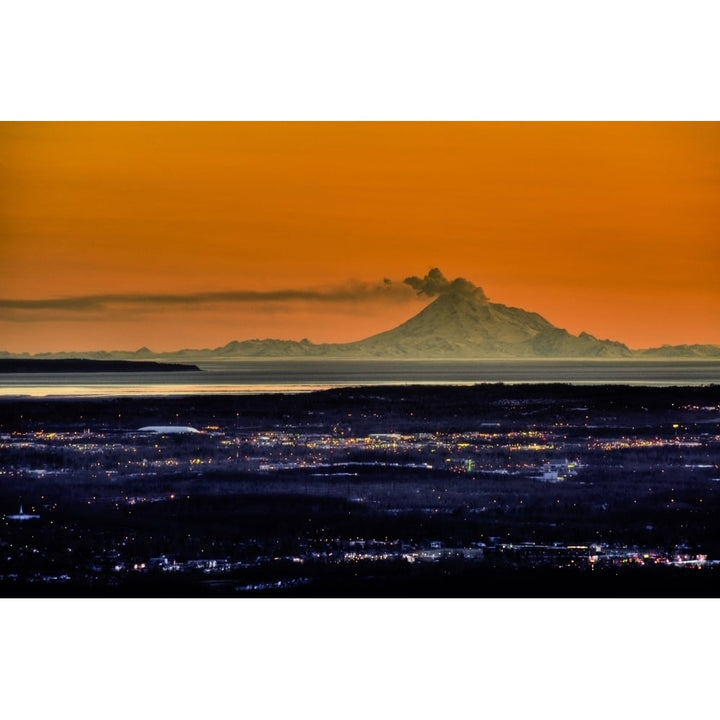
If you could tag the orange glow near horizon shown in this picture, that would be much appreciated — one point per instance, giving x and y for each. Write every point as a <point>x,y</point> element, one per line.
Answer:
<point>608,228</point>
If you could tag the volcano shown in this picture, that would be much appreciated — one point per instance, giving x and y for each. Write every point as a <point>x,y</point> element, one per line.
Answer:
<point>461,322</point>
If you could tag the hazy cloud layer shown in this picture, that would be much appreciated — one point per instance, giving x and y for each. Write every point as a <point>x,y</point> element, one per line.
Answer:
<point>351,292</point>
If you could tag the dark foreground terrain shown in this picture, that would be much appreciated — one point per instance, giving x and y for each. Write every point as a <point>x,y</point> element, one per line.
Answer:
<point>491,490</point>
<point>74,365</point>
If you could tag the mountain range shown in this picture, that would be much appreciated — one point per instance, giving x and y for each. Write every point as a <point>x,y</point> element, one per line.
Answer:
<point>460,323</point>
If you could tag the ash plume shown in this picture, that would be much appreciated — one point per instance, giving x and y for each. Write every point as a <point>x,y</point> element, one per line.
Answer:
<point>83,304</point>
<point>435,283</point>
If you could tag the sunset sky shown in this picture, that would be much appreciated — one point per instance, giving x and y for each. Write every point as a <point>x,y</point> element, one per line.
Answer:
<point>188,235</point>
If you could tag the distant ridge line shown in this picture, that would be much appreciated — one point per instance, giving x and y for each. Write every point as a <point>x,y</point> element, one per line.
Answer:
<point>84,365</point>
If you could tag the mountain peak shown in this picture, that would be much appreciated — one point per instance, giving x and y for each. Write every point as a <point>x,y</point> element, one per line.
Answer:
<point>462,322</point>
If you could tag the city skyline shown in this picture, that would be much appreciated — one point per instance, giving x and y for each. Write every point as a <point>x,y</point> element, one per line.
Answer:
<point>172,235</point>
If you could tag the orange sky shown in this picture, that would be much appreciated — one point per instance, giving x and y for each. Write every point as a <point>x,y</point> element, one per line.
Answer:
<point>611,228</point>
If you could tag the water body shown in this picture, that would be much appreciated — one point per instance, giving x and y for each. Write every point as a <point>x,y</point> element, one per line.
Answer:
<point>305,375</point>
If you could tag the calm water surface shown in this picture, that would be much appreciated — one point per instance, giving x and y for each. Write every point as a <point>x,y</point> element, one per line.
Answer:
<point>293,376</point>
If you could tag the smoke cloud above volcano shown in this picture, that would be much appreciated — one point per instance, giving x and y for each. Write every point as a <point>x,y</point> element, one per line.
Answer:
<point>435,283</point>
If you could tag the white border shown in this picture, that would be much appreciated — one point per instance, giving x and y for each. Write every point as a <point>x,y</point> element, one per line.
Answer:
<point>358,60</point>
<point>369,60</point>
<point>360,659</point>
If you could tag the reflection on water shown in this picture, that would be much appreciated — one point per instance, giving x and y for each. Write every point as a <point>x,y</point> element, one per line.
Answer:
<point>126,389</point>
<point>295,376</point>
